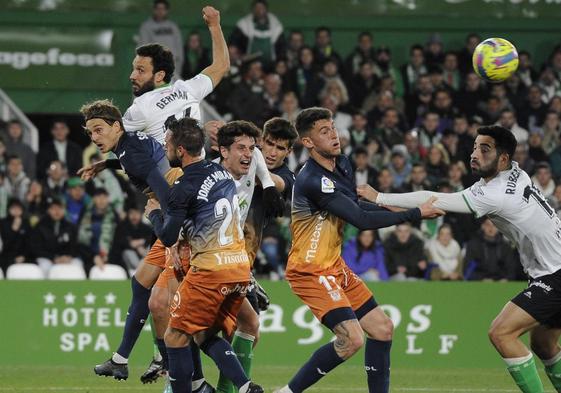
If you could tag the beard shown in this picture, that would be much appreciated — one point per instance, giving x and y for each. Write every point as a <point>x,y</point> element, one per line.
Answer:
<point>145,88</point>
<point>175,162</point>
<point>489,171</point>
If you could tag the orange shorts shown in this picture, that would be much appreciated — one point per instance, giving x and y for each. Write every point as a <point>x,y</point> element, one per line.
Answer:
<point>169,271</point>
<point>198,305</point>
<point>326,289</point>
<point>156,255</point>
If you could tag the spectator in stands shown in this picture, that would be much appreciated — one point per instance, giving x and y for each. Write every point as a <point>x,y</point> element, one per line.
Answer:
<point>446,254</point>
<point>489,256</point>
<point>437,164</point>
<point>549,85</point>
<point>515,91</point>
<point>97,230</point>
<point>418,102</point>
<point>197,56</point>
<point>54,239</point>
<point>61,149</point>
<point>450,141</point>
<point>466,54</point>
<point>385,182</point>
<point>3,162</point>
<point>132,240</point>
<point>290,107</point>
<point>535,149</point>
<point>384,68</point>
<point>526,71</point>
<point>416,151</point>
<point>14,233</point>
<point>450,72</point>
<point>378,153</point>
<point>405,258</point>
<point>418,180</point>
<point>360,133</point>
<point>36,202</point>
<point>4,196</point>
<point>362,84</point>
<point>411,71</point>
<point>492,109</point>
<point>76,200</point>
<point>523,159</point>
<point>443,105</point>
<point>472,97</point>
<point>428,130</point>
<point>555,62</point>
<point>260,33</point>
<point>364,173</point>
<point>551,131</point>
<point>304,79</point>
<point>399,165</point>
<point>364,255</point>
<point>543,180</point>
<point>17,147</point>
<point>323,48</point>
<point>332,83</point>
<point>294,45</point>
<point>434,51</point>
<point>16,181</point>
<point>465,140</point>
<point>456,174</point>
<point>108,181</point>
<point>159,29</point>
<point>246,100</point>
<point>272,93</point>
<point>555,105</point>
<point>389,131</point>
<point>508,121</point>
<point>54,186</point>
<point>384,101</point>
<point>532,114</point>
<point>363,52</point>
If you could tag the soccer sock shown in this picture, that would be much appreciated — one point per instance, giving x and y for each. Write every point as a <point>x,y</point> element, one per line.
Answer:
<point>377,365</point>
<point>198,377</point>
<point>157,354</point>
<point>524,372</point>
<point>243,347</point>
<point>180,369</point>
<point>553,370</point>
<point>322,361</point>
<point>223,355</point>
<point>163,351</point>
<point>136,316</point>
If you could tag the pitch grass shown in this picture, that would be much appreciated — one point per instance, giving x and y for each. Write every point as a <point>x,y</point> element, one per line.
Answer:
<point>344,379</point>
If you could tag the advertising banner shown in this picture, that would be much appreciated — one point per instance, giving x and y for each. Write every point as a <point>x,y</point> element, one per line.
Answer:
<point>437,324</point>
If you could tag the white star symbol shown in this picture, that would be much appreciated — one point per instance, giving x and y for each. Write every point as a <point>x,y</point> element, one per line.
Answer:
<point>49,298</point>
<point>110,298</point>
<point>69,298</point>
<point>89,298</point>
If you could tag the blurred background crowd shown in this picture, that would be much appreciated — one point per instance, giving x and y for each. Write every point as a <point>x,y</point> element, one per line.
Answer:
<point>406,127</point>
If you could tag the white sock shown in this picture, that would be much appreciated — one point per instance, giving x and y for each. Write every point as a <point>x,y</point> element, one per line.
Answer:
<point>158,356</point>
<point>516,361</point>
<point>552,361</point>
<point>245,336</point>
<point>119,359</point>
<point>245,387</point>
<point>197,384</point>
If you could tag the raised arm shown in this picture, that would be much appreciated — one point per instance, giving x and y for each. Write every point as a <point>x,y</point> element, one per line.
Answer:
<point>220,56</point>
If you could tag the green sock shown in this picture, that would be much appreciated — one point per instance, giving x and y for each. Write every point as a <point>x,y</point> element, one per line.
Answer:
<point>526,376</point>
<point>243,347</point>
<point>157,355</point>
<point>553,371</point>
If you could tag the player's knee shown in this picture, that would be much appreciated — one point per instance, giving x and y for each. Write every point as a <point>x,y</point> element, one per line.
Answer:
<point>356,341</point>
<point>175,339</point>
<point>158,305</point>
<point>497,334</point>
<point>249,325</point>
<point>385,330</point>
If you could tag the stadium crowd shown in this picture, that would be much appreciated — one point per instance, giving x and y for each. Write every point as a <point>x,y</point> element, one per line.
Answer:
<point>406,127</point>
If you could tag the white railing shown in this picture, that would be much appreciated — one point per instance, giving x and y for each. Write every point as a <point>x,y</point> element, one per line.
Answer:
<point>9,111</point>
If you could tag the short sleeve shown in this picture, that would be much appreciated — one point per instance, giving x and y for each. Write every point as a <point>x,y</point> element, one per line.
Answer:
<point>134,119</point>
<point>481,199</point>
<point>179,199</point>
<point>199,86</point>
<point>320,190</point>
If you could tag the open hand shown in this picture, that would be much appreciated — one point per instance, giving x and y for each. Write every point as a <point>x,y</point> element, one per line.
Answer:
<point>90,171</point>
<point>367,192</point>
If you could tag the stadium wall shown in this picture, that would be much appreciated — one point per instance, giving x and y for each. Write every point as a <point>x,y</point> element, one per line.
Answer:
<point>53,61</point>
<point>438,324</point>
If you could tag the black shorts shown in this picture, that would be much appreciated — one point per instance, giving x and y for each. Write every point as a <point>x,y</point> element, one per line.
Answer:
<point>542,299</point>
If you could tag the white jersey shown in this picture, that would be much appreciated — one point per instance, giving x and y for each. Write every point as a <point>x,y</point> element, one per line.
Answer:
<point>149,112</point>
<point>522,214</point>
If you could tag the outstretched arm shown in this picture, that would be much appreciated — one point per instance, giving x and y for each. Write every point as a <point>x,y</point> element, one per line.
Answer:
<point>220,56</point>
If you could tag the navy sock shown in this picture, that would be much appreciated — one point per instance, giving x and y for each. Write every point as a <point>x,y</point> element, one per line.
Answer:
<point>197,366</point>
<point>163,351</point>
<point>225,358</point>
<point>322,361</point>
<point>377,365</point>
<point>180,369</point>
<point>136,316</point>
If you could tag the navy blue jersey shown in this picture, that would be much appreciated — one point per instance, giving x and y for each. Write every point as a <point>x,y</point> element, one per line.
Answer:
<point>139,154</point>
<point>203,204</point>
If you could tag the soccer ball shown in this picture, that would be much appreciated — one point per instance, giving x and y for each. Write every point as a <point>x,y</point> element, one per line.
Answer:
<point>495,59</point>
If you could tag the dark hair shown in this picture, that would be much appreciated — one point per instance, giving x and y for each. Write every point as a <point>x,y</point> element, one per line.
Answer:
<point>162,58</point>
<point>231,130</point>
<point>188,134</point>
<point>505,141</point>
<point>264,2</point>
<point>415,47</point>
<point>164,2</point>
<point>323,28</point>
<point>102,109</point>
<point>306,119</point>
<point>14,121</point>
<point>12,157</point>
<point>364,34</point>
<point>360,150</point>
<point>280,129</point>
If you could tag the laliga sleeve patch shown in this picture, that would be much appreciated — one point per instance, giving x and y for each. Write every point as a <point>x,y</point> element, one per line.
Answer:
<point>327,185</point>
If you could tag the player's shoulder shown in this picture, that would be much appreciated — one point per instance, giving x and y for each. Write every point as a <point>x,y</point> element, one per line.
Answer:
<point>313,179</point>
<point>283,170</point>
<point>196,81</point>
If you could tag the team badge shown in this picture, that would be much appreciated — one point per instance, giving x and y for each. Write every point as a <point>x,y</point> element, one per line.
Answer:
<point>327,185</point>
